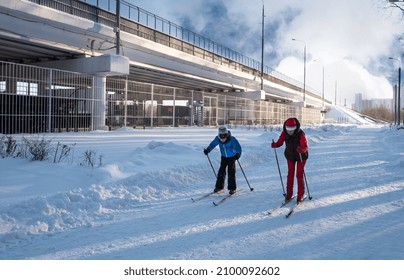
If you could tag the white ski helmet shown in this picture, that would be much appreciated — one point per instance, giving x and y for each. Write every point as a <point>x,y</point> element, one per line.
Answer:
<point>223,133</point>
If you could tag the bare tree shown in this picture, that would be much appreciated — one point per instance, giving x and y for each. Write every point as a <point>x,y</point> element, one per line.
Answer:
<point>397,4</point>
<point>380,113</point>
<point>392,6</point>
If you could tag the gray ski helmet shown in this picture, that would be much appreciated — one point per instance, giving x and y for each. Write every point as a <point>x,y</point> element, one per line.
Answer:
<point>223,133</point>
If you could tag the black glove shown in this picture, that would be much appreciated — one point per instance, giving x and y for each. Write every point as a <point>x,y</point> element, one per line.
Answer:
<point>206,151</point>
<point>236,156</point>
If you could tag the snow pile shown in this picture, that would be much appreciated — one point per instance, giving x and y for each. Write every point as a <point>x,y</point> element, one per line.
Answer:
<point>82,207</point>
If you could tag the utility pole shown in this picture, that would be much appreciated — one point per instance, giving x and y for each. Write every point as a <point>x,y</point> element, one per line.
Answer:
<point>335,101</point>
<point>304,74</point>
<point>304,68</point>
<point>395,104</point>
<point>399,94</point>
<point>262,49</point>
<point>118,26</point>
<point>322,96</point>
<point>398,91</point>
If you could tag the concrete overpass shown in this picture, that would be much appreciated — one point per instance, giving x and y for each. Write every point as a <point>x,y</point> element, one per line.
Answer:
<point>72,35</point>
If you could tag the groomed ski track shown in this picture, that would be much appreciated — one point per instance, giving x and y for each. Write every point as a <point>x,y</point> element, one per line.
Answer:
<point>163,222</point>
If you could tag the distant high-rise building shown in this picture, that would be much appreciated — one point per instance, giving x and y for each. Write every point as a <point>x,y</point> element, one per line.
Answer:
<point>362,104</point>
<point>357,106</point>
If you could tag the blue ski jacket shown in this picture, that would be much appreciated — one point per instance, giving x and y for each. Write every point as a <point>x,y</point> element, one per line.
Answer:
<point>229,148</point>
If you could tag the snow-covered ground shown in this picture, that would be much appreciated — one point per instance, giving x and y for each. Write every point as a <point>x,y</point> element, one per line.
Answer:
<point>137,205</point>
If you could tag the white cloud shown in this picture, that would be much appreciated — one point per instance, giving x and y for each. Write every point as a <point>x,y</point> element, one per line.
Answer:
<point>352,39</point>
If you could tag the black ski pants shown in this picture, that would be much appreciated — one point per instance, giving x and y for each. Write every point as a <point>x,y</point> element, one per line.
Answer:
<point>230,164</point>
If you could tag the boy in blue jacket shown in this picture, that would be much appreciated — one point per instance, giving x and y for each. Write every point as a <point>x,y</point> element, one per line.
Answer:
<point>230,150</point>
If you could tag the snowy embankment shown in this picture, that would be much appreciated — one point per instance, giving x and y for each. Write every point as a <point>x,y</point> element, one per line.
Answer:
<point>339,114</point>
<point>137,205</point>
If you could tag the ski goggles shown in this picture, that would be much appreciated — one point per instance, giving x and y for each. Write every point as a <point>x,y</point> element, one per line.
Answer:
<point>290,128</point>
<point>223,135</point>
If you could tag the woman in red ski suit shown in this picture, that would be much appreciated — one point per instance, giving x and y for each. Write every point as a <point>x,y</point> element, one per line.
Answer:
<point>296,151</point>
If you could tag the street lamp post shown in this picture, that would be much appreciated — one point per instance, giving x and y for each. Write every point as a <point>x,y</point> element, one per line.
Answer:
<point>322,90</point>
<point>398,90</point>
<point>118,27</point>
<point>395,103</point>
<point>304,70</point>
<point>262,49</point>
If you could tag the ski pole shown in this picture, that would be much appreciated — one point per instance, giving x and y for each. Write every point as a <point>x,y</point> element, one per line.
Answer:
<point>305,180</point>
<point>251,189</point>
<point>214,172</point>
<point>279,170</point>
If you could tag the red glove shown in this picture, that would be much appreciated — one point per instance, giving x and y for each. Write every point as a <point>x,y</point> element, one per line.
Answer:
<point>273,145</point>
<point>300,150</point>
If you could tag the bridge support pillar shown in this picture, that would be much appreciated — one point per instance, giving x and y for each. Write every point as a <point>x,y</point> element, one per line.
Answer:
<point>100,67</point>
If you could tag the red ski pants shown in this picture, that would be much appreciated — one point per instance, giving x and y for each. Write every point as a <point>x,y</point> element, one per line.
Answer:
<point>291,179</point>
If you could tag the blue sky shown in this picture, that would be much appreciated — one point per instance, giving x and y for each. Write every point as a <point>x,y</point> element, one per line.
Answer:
<point>351,40</point>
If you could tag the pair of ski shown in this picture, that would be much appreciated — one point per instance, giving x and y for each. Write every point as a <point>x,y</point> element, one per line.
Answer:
<point>291,210</point>
<point>216,203</point>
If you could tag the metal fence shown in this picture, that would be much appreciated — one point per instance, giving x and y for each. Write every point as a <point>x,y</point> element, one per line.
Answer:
<point>40,100</point>
<point>137,105</point>
<point>34,100</point>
